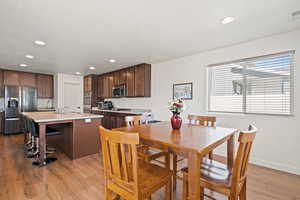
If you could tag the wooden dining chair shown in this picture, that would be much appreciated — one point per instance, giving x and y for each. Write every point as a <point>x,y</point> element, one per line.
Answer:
<point>127,176</point>
<point>195,120</point>
<point>219,177</point>
<point>144,151</point>
<point>203,121</point>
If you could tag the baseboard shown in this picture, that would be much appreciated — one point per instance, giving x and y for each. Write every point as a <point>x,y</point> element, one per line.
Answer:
<point>269,164</point>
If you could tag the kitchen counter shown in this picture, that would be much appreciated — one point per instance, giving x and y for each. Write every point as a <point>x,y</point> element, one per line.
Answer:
<point>53,116</point>
<point>125,111</point>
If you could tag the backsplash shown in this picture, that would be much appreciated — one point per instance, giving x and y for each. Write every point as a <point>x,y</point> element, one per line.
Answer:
<point>1,104</point>
<point>45,103</point>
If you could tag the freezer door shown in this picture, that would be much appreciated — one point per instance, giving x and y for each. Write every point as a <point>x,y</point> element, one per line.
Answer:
<point>12,126</point>
<point>29,99</point>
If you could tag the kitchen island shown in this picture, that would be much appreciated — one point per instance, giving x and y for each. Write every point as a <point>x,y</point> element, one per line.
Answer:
<point>79,133</point>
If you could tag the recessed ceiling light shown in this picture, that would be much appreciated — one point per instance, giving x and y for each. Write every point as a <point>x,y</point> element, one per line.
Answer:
<point>29,56</point>
<point>227,20</point>
<point>23,65</point>
<point>92,67</point>
<point>39,42</point>
<point>78,73</point>
<point>112,60</point>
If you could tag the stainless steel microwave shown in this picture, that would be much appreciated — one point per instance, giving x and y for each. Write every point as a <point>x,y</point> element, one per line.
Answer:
<point>119,91</point>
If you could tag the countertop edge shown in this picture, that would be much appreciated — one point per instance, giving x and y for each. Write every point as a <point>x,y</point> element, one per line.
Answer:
<point>70,118</point>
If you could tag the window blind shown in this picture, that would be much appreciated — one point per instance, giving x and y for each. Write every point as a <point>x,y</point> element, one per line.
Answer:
<point>260,85</point>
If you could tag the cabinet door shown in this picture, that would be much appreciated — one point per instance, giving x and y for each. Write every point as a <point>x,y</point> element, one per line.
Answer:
<point>116,78</point>
<point>139,81</point>
<point>11,78</point>
<point>130,82</point>
<point>100,92</point>
<point>105,86</point>
<point>1,77</point>
<point>122,76</point>
<point>110,84</point>
<point>27,79</point>
<point>44,85</point>
<point>49,86</point>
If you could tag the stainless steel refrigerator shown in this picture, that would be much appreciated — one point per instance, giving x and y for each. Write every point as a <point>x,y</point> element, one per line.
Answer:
<point>17,100</point>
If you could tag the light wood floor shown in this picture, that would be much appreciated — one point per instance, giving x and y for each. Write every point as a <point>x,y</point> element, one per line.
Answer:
<point>83,179</point>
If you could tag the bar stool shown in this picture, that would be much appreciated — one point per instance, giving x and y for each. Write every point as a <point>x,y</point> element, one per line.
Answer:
<point>34,130</point>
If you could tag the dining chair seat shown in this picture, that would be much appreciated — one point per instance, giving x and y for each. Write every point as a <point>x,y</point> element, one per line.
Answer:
<point>152,176</point>
<point>213,172</point>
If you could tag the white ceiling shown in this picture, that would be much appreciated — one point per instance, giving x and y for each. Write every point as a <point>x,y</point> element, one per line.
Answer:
<point>80,33</point>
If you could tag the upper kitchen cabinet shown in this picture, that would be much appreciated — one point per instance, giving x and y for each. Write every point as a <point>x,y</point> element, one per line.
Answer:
<point>122,76</point>
<point>11,78</point>
<point>1,77</point>
<point>27,79</point>
<point>142,80</point>
<point>137,80</point>
<point>1,84</point>
<point>88,83</point>
<point>130,82</point>
<point>90,86</point>
<point>111,84</point>
<point>100,88</point>
<point>44,84</point>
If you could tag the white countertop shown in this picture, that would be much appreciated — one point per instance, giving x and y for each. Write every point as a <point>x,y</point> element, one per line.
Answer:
<point>125,111</point>
<point>53,116</point>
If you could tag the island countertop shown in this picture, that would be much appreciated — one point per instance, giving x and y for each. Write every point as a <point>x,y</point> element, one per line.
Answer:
<point>40,117</point>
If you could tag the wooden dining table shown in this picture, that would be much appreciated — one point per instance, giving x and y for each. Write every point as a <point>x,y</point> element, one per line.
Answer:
<point>192,141</point>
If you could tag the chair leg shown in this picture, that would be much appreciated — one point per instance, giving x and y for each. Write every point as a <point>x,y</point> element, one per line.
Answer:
<point>211,155</point>
<point>174,171</point>
<point>108,194</point>
<point>185,187</point>
<point>167,161</point>
<point>243,193</point>
<point>169,191</point>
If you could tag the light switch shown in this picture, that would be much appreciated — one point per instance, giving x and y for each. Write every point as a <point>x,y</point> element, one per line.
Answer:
<point>88,120</point>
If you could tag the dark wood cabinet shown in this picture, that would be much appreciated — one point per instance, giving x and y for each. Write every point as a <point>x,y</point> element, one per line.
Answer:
<point>137,80</point>
<point>1,84</point>
<point>1,77</point>
<point>87,83</point>
<point>11,78</point>
<point>122,76</point>
<point>112,119</point>
<point>142,80</point>
<point>130,82</point>
<point>100,88</point>
<point>44,85</point>
<point>28,79</point>
<point>110,84</point>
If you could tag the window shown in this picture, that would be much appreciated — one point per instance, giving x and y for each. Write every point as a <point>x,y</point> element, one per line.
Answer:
<point>260,85</point>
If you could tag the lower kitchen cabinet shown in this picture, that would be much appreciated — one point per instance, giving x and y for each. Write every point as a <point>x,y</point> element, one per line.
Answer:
<point>112,119</point>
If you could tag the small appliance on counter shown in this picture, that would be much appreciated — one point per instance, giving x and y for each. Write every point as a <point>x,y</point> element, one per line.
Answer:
<point>105,105</point>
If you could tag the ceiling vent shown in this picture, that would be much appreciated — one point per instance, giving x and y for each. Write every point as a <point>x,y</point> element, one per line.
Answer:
<point>296,14</point>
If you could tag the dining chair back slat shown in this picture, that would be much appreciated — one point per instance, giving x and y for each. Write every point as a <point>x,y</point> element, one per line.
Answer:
<point>202,120</point>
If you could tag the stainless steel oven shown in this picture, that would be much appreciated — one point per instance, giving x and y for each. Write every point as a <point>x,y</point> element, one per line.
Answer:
<point>119,91</point>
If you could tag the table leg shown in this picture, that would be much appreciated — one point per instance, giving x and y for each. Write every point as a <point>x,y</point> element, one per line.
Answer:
<point>42,144</point>
<point>194,163</point>
<point>230,151</point>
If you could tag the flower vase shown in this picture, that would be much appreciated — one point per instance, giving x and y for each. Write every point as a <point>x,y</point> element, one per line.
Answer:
<point>176,121</point>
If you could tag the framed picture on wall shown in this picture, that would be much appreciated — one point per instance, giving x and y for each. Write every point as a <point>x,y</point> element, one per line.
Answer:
<point>183,91</point>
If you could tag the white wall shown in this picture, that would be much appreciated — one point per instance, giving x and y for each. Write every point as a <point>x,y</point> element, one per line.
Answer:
<point>59,80</point>
<point>277,144</point>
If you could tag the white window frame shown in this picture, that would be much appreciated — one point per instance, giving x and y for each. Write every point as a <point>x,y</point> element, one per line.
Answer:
<point>292,86</point>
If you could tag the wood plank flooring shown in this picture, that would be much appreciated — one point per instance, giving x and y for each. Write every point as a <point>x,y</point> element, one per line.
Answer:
<point>83,179</point>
